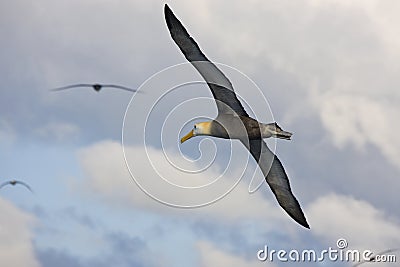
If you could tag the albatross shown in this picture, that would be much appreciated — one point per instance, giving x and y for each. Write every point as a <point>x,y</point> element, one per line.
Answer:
<point>14,182</point>
<point>97,87</point>
<point>233,122</point>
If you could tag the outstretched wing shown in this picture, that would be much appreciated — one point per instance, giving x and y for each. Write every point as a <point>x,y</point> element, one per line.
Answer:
<point>119,87</point>
<point>24,184</point>
<point>276,178</point>
<point>4,184</point>
<point>72,86</point>
<point>220,86</point>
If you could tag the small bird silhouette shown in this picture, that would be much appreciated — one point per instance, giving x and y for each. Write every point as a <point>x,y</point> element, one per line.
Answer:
<point>97,87</point>
<point>14,182</point>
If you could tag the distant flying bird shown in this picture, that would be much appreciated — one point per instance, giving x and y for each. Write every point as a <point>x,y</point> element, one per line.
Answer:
<point>14,182</point>
<point>233,122</point>
<point>373,258</point>
<point>97,87</point>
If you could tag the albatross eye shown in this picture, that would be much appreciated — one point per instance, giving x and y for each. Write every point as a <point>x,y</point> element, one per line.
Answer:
<point>195,126</point>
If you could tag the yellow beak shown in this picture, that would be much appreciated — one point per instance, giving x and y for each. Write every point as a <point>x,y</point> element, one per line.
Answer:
<point>188,136</point>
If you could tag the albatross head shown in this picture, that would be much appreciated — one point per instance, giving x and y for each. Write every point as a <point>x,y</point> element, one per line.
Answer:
<point>274,130</point>
<point>201,128</point>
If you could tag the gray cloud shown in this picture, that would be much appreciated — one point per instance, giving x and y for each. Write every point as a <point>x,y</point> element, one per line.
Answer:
<point>123,251</point>
<point>83,219</point>
<point>53,257</point>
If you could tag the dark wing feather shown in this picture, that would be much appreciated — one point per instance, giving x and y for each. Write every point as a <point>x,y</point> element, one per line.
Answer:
<point>119,87</point>
<point>276,178</point>
<point>220,86</point>
<point>72,86</point>
<point>25,184</point>
<point>4,184</point>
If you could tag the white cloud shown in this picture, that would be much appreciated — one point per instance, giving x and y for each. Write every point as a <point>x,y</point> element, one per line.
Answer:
<point>361,224</point>
<point>58,131</point>
<point>361,120</point>
<point>108,178</point>
<point>16,248</point>
<point>210,255</point>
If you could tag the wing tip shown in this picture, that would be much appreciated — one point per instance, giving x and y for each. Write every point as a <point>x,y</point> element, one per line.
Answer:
<point>173,23</point>
<point>293,209</point>
<point>305,224</point>
<point>298,216</point>
<point>57,89</point>
<point>300,219</point>
<point>168,15</point>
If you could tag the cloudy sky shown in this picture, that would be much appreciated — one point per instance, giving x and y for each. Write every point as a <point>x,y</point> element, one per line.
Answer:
<point>325,70</point>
